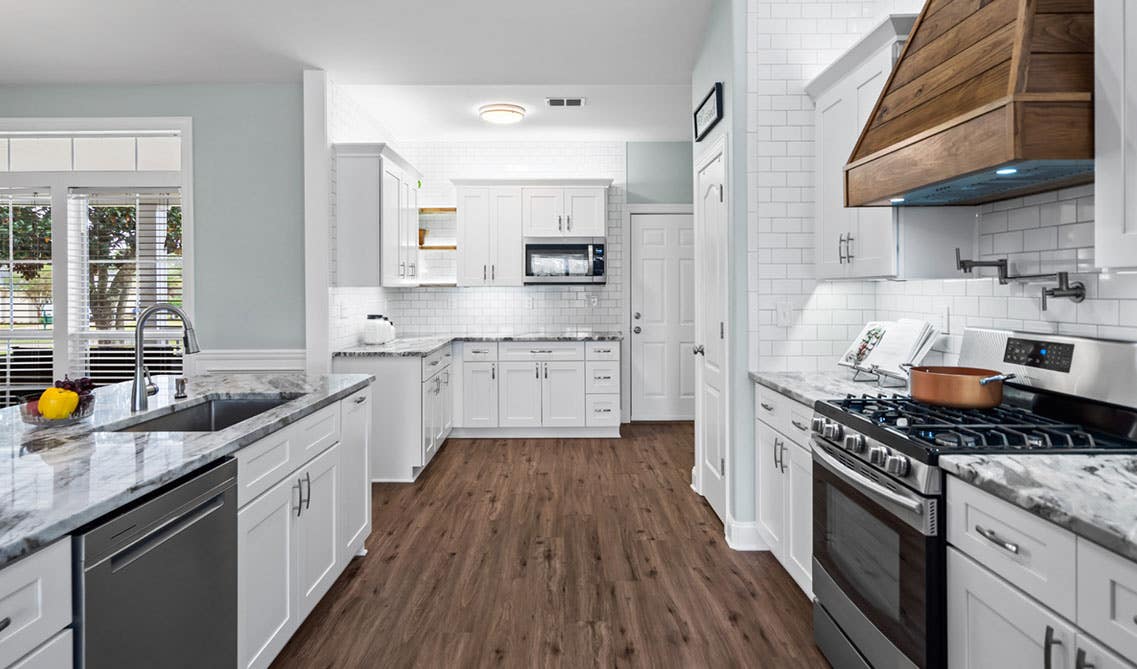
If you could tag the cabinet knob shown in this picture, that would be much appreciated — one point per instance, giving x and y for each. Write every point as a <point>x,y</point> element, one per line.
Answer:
<point>637,329</point>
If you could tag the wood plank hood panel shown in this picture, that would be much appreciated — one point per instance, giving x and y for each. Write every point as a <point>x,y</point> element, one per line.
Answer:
<point>981,86</point>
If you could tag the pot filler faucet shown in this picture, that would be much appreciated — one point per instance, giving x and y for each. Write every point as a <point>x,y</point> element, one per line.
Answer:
<point>143,387</point>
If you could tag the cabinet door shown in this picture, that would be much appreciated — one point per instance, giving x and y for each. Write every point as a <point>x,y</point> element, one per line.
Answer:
<point>507,264</point>
<point>562,394</point>
<point>872,249</point>
<point>438,426</point>
<point>447,404</point>
<point>317,529</point>
<point>586,213</point>
<point>410,231</point>
<point>266,576</point>
<point>797,555</point>
<point>992,624</point>
<point>771,488</point>
<point>429,412</point>
<point>542,212</point>
<point>1115,133</point>
<point>479,394</point>
<point>394,263</point>
<point>355,488</point>
<point>1090,654</point>
<point>358,220</point>
<point>836,134</point>
<point>474,236</point>
<point>519,394</point>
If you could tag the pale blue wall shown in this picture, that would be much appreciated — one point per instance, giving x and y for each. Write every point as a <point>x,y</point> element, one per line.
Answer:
<point>659,173</point>
<point>722,57</point>
<point>248,196</point>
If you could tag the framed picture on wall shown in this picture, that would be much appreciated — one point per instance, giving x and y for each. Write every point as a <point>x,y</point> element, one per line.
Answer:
<point>709,112</point>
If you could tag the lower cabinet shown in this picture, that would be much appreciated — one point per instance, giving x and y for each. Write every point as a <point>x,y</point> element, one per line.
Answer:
<point>479,394</point>
<point>35,609</point>
<point>519,395</point>
<point>58,653</point>
<point>437,413</point>
<point>562,394</point>
<point>294,539</point>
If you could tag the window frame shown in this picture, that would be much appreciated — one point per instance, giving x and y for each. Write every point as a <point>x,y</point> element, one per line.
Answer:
<point>59,185</point>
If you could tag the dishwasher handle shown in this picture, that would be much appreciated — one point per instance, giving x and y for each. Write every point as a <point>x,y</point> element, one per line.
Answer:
<point>164,532</point>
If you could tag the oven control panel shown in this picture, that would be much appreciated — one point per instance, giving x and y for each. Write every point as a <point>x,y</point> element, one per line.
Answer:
<point>1041,354</point>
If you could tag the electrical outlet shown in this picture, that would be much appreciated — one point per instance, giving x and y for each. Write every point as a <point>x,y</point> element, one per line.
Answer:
<point>784,314</point>
<point>593,300</point>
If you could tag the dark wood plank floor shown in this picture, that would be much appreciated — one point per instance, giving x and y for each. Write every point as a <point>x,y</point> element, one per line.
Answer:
<point>548,553</point>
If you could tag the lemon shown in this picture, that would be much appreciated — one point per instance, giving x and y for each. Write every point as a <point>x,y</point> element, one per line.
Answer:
<point>56,403</point>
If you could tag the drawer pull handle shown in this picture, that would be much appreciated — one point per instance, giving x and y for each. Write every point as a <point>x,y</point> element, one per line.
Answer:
<point>767,407</point>
<point>603,411</point>
<point>801,426</point>
<point>5,623</point>
<point>1080,660</point>
<point>360,400</point>
<point>435,363</point>
<point>602,378</point>
<point>1049,642</point>
<point>994,538</point>
<point>603,350</point>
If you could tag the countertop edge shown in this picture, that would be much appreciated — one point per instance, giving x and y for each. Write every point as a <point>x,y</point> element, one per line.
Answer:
<point>361,351</point>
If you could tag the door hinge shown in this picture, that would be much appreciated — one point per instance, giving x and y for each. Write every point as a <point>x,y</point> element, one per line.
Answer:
<point>722,330</point>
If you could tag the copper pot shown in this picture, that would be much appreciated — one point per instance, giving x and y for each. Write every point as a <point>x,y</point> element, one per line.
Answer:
<point>957,387</point>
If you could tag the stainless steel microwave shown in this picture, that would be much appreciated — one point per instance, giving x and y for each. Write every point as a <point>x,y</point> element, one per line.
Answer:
<point>568,260</point>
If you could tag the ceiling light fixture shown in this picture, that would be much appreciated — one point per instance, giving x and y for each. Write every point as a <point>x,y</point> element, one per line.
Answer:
<point>1006,171</point>
<point>896,200</point>
<point>501,113</point>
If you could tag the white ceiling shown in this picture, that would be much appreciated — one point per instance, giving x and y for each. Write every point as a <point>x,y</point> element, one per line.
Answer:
<point>359,41</point>
<point>611,113</point>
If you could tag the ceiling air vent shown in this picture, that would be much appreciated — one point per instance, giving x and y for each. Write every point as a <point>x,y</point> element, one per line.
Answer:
<point>564,102</point>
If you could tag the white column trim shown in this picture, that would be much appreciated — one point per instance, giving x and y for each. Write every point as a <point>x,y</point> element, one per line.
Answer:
<point>317,215</point>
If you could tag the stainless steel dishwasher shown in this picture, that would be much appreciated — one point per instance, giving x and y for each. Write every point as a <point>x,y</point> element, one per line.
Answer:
<point>157,584</point>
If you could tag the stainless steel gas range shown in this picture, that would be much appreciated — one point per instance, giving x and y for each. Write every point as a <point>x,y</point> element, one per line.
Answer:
<point>878,543</point>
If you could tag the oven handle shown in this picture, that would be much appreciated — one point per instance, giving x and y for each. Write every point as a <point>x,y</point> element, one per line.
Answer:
<point>864,483</point>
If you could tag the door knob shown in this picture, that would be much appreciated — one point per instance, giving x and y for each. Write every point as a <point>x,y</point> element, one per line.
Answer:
<point>637,315</point>
<point>698,350</point>
<point>637,329</point>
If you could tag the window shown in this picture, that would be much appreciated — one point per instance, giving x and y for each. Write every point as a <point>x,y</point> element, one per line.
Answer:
<point>26,304</point>
<point>126,255</point>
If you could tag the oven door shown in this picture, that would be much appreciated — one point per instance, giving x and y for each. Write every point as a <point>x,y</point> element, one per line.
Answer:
<point>878,561</point>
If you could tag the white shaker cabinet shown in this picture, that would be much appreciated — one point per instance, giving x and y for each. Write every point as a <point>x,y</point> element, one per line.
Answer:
<point>355,484</point>
<point>586,212</point>
<point>565,211</point>
<point>317,527</point>
<point>771,488</point>
<point>479,394</point>
<point>519,394</point>
<point>562,394</point>
<point>375,192</point>
<point>543,212</point>
<point>490,245</point>
<point>873,242</point>
<point>1115,133</point>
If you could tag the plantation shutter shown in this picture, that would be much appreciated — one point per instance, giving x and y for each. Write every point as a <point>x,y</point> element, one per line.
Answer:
<point>26,304</point>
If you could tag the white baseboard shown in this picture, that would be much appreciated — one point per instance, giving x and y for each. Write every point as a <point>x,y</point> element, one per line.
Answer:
<point>535,433</point>
<point>245,361</point>
<point>744,536</point>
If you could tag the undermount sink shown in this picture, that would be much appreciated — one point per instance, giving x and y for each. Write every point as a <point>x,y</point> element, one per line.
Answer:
<point>209,416</point>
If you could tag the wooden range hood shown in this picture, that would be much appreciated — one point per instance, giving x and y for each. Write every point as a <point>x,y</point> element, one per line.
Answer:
<point>982,85</point>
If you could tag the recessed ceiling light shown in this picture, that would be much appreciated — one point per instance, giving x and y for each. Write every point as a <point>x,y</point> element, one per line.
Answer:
<point>502,113</point>
<point>896,200</point>
<point>1007,171</point>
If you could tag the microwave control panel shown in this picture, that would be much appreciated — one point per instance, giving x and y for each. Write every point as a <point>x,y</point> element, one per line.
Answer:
<point>1041,354</point>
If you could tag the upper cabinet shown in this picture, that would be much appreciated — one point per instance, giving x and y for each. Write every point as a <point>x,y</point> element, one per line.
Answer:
<point>564,210</point>
<point>880,242</point>
<point>1115,120</point>
<point>489,236</point>
<point>376,217</point>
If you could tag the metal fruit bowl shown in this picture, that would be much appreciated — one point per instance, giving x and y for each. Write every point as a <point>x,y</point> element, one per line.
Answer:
<point>29,412</point>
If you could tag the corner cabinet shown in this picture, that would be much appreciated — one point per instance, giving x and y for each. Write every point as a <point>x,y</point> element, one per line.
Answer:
<point>873,242</point>
<point>1115,133</point>
<point>376,217</point>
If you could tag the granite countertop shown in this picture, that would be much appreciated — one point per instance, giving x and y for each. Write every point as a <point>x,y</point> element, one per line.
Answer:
<point>425,345</point>
<point>1093,496</point>
<point>56,480</point>
<point>808,387</point>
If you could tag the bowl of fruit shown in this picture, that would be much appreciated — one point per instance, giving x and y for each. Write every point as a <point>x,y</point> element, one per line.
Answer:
<point>65,403</point>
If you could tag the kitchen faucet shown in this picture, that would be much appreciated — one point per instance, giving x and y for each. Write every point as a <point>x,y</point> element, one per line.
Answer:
<point>143,387</point>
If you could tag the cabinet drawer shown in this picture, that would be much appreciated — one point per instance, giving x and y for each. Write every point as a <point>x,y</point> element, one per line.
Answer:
<point>262,464</point>
<point>435,362</point>
<point>479,351</point>
<point>540,350</point>
<point>797,418</point>
<point>602,350</point>
<point>768,406</point>
<point>1033,554</point>
<point>602,378</point>
<point>35,597</point>
<point>602,410</point>
<point>59,653</point>
<point>1107,597</point>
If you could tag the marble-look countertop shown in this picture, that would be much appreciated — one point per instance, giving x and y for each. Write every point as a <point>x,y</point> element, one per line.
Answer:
<point>409,347</point>
<point>808,387</point>
<point>57,479</point>
<point>1093,496</point>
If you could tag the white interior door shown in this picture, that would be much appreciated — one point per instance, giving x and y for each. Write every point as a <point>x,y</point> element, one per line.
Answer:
<point>711,219</point>
<point>663,316</point>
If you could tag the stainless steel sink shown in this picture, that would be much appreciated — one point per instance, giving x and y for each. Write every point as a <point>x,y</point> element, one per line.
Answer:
<point>209,416</point>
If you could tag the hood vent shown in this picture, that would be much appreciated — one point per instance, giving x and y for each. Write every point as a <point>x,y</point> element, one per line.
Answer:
<point>991,99</point>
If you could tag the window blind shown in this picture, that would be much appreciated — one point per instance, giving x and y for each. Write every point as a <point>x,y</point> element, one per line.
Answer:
<point>125,256</point>
<point>26,304</point>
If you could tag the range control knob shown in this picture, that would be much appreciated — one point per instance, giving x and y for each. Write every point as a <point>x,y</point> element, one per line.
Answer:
<point>855,443</point>
<point>817,424</point>
<point>833,431</point>
<point>897,465</point>
<point>878,455</point>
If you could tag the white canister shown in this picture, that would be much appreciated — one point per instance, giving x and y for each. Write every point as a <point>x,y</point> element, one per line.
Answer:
<point>378,329</point>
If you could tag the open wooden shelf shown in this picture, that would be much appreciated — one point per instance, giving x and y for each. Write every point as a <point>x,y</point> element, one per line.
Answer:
<point>438,247</point>
<point>438,210</point>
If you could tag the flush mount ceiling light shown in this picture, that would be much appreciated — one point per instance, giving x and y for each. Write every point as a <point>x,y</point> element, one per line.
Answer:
<point>501,113</point>
<point>1006,171</point>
